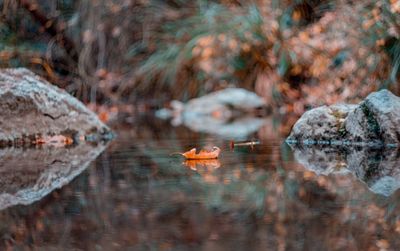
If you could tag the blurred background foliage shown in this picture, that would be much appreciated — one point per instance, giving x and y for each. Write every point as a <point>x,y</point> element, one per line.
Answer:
<point>295,53</point>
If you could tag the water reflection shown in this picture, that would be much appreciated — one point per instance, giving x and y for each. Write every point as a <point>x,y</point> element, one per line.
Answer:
<point>201,164</point>
<point>378,168</point>
<point>29,174</point>
<point>135,196</point>
<point>237,129</point>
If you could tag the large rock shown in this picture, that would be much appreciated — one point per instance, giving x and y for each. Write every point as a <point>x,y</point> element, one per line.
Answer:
<point>375,121</point>
<point>322,123</point>
<point>376,118</point>
<point>223,104</point>
<point>227,99</point>
<point>30,106</point>
<point>229,113</point>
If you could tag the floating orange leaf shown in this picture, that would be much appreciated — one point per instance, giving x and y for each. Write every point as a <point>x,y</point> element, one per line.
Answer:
<point>203,154</point>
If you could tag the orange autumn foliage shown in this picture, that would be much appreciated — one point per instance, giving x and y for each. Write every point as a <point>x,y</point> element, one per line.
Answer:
<point>203,154</point>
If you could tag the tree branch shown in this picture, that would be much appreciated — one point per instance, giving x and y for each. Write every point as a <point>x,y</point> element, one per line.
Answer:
<point>52,27</point>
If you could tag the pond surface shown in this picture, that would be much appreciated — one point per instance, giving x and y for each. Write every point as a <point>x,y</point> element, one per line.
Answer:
<point>137,196</point>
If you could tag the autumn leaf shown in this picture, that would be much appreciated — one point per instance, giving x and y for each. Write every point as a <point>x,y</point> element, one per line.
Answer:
<point>203,154</point>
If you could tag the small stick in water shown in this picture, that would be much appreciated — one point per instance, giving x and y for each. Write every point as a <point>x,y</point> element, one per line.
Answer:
<point>247,143</point>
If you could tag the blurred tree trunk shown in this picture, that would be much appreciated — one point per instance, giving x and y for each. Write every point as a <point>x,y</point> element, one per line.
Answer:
<point>52,26</point>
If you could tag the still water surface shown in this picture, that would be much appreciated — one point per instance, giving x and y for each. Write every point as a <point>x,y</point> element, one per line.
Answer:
<point>136,196</point>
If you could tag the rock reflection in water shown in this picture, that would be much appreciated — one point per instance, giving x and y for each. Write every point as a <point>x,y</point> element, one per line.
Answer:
<point>238,129</point>
<point>28,174</point>
<point>378,168</point>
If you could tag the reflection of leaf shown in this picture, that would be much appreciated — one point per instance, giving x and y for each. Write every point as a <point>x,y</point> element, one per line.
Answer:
<point>203,154</point>
<point>56,140</point>
<point>202,163</point>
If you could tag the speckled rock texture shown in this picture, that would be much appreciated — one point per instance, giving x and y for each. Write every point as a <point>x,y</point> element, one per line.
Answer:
<point>375,121</point>
<point>30,106</point>
<point>322,123</point>
<point>376,118</point>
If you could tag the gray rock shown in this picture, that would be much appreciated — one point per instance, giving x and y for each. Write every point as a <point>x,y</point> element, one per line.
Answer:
<point>226,99</point>
<point>226,113</point>
<point>375,122</point>
<point>322,123</point>
<point>31,106</point>
<point>226,103</point>
<point>376,118</point>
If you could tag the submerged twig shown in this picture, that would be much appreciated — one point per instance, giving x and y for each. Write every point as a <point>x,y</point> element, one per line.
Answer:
<point>247,143</point>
